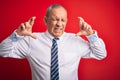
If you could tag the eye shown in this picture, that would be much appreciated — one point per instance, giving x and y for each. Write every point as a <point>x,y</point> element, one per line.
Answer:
<point>53,19</point>
<point>63,20</point>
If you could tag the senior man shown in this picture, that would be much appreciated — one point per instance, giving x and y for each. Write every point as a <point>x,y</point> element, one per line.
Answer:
<point>53,54</point>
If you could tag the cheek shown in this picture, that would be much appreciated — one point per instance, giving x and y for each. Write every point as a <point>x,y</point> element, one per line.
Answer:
<point>51,27</point>
<point>52,24</point>
<point>64,25</point>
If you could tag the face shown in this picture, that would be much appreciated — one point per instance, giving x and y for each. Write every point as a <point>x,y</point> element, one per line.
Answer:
<point>56,21</point>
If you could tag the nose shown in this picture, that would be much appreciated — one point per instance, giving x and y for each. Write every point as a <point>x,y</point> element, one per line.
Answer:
<point>59,23</point>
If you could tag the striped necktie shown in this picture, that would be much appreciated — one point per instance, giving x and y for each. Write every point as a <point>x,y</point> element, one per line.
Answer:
<point>54,60</point>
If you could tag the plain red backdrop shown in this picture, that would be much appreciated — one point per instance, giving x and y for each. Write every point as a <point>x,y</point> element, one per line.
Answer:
<point>103,15</point>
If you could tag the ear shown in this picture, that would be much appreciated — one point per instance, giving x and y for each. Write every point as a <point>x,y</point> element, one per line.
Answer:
<point>45,20</point>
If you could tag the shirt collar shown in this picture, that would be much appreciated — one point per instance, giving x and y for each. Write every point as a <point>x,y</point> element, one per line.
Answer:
<point>51,37</point>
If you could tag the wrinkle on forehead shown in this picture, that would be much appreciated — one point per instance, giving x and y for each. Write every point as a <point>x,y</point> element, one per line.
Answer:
<point>58,13</point>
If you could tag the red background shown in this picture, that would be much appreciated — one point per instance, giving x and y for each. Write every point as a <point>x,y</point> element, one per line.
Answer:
<point>103,15</point>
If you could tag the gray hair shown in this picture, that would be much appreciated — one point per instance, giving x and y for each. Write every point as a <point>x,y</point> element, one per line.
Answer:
<point>51,7</point>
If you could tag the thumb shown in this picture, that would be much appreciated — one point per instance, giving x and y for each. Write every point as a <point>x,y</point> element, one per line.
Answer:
<point>31,20</point>
<point>79,33</point>
<point>32,35</point>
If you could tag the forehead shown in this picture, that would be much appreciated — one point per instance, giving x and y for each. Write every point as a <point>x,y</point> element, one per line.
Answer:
<point>58,12</point>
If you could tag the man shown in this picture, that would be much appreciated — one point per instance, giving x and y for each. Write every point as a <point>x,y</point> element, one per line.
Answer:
<point>39,47</point>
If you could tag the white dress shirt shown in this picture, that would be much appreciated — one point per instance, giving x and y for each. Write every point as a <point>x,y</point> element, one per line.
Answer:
<point>71,49</point>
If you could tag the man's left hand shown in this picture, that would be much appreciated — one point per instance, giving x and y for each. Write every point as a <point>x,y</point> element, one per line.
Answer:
<point>86,29</point>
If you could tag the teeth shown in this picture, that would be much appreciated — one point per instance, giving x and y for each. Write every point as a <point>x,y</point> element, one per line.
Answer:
<point>57,29</point>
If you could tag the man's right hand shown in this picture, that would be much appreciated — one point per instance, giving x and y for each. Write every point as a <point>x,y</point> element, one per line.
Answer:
<point>25,29</point>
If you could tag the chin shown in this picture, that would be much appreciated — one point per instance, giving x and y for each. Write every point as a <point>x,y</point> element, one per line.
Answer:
<point>57,35</point>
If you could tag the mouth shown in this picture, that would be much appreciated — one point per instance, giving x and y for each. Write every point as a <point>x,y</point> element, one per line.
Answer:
<point>58,29</point>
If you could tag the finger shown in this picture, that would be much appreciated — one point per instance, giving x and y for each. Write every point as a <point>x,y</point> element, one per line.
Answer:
<point>91,31</point>
<point>87,26</point>
<point>27,24</point>
<point>31,20</point>
<point>84,26</point>
<point>32,35</point>
<point>81,20</point>
<point>22,26</point>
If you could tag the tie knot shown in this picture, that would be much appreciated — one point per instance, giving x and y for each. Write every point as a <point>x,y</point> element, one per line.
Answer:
<point>55,39</point>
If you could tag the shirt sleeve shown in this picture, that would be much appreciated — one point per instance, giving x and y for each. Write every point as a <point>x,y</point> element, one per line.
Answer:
<point>95,48</point>
<point>14,46</point>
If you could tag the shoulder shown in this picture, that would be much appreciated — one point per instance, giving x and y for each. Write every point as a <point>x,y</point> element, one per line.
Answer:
<point>73,37</point>
<point>39,34</point>
<point>70,35</point>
